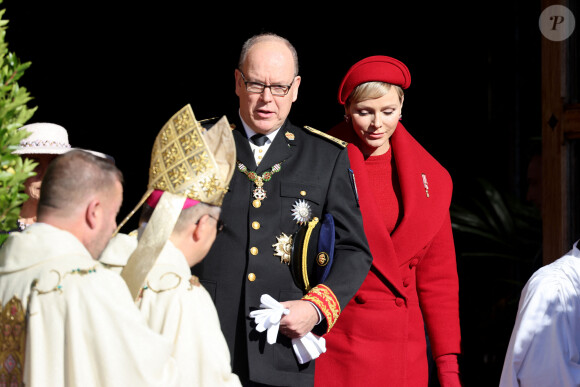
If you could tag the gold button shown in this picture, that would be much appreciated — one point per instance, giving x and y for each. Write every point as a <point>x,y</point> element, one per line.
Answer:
<point>256,203</point>
<point>254,251</point>
<point>252,277</point>
<point>303,193</point>
<point>256,225</point>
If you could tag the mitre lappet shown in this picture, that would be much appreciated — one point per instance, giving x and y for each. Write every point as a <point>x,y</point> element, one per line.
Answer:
<point>189,164</point>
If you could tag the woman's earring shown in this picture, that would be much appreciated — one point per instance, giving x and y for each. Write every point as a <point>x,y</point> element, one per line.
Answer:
<point>400,116</point>
<point>346,118</point>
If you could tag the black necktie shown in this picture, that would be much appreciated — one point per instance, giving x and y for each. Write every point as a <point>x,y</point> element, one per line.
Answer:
<point>259,139</point>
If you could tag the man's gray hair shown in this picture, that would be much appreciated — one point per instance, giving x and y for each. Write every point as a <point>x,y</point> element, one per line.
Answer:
<point>263,38</point>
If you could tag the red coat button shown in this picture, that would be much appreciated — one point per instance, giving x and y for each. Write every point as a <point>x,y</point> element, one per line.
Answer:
<point>413,263</point>
<point>399,302</point>
<point>406,282</point>
<point>360,299</point>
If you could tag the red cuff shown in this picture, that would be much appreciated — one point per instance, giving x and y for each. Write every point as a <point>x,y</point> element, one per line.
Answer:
<point>326,301</point>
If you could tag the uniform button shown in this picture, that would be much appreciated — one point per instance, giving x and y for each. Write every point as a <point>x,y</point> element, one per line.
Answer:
<point>406,282</point>
<point>256,225</point>
<point>254,251</point>
<point>252,277</point>
<point>413,263</point>
<point>256,203</point>
<point>399,302</point>
<point>360,299</point>
<point>303,193</point>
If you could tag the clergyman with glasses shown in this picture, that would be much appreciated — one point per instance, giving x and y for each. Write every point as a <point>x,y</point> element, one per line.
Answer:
<point>190,170</point>
<point>286,177</point>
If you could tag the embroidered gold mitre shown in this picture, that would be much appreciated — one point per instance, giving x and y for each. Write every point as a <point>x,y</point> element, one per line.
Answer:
<point>187,161</point>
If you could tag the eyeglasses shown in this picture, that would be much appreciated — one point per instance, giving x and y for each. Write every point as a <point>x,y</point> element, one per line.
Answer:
<point>258,87</point>
<point>219,223</point>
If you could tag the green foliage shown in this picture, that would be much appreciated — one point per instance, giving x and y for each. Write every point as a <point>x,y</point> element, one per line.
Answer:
<point>14,113</point>
<point>499,242</point>
<point>499,228</point>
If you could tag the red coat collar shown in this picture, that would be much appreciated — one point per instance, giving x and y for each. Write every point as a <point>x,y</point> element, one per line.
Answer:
<point>422,215</point>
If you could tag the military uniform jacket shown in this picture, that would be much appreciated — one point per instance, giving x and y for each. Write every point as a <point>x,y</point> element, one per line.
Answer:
<point>241,265</point>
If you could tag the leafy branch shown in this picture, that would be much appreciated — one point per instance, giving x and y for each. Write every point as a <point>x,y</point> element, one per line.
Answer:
<point>14,113</point>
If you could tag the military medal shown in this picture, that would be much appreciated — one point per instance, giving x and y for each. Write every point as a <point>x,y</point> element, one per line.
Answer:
<point>290,136</point>
<point>301,212</point>
<point>283,248</point>
<point>259,192</point>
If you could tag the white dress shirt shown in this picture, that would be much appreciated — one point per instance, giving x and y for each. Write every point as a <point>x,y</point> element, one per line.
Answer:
<point>259,151</point>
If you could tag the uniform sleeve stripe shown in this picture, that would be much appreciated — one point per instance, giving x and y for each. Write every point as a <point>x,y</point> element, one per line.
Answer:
<point>326,301</point>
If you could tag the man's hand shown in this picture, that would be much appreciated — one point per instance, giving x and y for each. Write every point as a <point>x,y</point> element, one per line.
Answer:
<point>302,318</point>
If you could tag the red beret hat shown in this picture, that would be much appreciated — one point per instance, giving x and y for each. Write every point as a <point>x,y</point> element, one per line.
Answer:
<point>374,68</point>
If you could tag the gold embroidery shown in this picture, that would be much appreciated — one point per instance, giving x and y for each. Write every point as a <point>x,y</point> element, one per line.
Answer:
<point>194,281</point>
<point>327,136</point>
<point>326,301</point>
<point>58,286</point>
<point>13,322</point>
<point>166,289</point>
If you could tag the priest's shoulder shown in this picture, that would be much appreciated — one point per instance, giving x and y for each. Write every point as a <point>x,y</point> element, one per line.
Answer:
<point>326,136</point>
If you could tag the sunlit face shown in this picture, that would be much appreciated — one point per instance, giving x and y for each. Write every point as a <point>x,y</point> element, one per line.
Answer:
<point>110,206</point>
<point>375,121</point>
<point>270,63</point>
<point>32,184</point>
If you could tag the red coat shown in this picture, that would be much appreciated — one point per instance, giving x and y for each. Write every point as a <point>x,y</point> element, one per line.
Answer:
<point>379,339</point>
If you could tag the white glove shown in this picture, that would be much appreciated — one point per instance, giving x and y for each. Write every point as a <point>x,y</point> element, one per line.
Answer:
<point>269,318</point>
<point>306,348</point>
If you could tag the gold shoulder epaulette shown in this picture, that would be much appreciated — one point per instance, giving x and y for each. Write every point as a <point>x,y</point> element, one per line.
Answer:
<point>327,136</point>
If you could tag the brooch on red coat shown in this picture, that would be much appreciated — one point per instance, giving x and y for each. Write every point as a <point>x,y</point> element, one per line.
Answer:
<point>425,184</point>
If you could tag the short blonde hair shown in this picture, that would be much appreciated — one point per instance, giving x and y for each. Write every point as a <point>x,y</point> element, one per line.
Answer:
<point>372,90</point>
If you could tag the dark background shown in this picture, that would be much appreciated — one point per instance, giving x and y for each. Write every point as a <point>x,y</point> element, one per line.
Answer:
<point>112,73</point>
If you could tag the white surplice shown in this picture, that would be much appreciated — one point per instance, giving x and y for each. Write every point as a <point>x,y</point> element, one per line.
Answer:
<point>544,348</point>
<point>181,309</point>
<point>83,328</point>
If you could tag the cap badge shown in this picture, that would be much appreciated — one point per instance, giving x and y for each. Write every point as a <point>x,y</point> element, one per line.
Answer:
<point>301,212</point>
<point>322,259</point>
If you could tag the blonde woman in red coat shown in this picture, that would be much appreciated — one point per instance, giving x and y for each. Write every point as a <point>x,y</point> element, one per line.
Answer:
<point>404,196</point>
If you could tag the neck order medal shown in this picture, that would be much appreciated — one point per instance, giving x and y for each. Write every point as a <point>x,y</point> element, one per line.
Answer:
<point>259,192</point>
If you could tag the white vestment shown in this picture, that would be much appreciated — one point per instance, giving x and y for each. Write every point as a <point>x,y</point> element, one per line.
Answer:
<point>83,328</point>
<point>544,348</point>
<point>179,308</point>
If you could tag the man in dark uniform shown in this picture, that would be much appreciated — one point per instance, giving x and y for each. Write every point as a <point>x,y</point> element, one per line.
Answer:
<point>285,178</point>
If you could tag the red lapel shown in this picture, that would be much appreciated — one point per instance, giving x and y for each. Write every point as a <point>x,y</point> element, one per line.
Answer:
<point>382,249</point>
<point>423,215</point>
